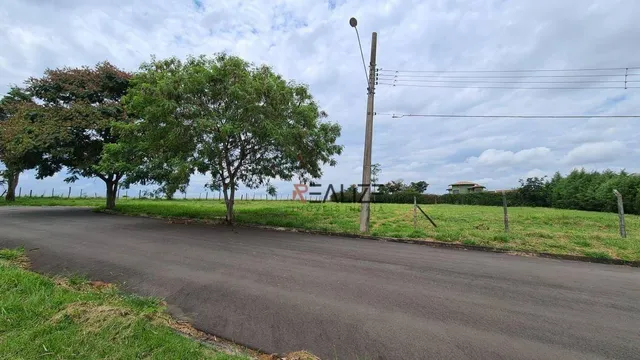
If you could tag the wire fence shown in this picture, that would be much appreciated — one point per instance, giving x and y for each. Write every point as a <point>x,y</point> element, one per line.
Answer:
<point>70,192</point>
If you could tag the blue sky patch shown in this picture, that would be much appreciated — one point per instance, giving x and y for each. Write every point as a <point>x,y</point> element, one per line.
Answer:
<point>198,4</point>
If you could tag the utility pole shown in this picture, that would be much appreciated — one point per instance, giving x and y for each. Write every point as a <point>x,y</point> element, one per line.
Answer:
<point>365,209</point>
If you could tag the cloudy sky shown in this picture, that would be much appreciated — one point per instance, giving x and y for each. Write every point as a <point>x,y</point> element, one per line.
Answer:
<point>311,41</point>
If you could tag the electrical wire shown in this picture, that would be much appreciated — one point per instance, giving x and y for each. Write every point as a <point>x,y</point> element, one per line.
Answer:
<point>507,87</point>
<point>512,82</point>
<point>509,71</point>
<point>503,76</point>
<point>397,116</point>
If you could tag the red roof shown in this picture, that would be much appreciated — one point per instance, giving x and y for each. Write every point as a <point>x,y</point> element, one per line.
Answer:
<point>463,183</point>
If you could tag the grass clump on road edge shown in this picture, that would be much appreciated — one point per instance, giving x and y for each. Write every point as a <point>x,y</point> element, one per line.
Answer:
<point>42,318</point>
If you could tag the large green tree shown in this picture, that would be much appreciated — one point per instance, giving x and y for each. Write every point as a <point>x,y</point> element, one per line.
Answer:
<point>20,140</point>
<point>222,116</point>
<point>81,106</point>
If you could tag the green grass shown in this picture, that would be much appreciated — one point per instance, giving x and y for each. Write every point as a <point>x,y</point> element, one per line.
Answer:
<point>555,231</point>
<point>43,318</point>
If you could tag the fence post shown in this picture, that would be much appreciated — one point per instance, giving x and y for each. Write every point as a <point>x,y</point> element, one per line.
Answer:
<point>506,214</point>
<point>206,195</point>
<point>80,193</point>
<point>415,213</point>
<point>53,192</point>
<point>139,194</point>
<point>30,193</point>
<point>69,194</point>
<point>623,231</point>
<point>20,192</point>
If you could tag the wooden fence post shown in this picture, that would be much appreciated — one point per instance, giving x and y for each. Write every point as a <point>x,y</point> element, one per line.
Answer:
<point>69,194</point>
<point>206,195</point>
<point>139,194</point>
<point>30,193</point>
<point>415,213</point>
<point>506,214</point>
<point>623,231</point>
<point>20,192</point>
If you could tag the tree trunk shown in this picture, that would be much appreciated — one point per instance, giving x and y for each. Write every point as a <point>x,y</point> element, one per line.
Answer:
<point>112,192</point>
<point>12,184</point>
<point>229,193</point>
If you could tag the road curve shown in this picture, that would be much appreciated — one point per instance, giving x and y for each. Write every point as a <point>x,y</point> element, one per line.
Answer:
<point>345,298</point>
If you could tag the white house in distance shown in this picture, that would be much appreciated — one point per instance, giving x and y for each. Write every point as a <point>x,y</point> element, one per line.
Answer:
<point>465,187</point>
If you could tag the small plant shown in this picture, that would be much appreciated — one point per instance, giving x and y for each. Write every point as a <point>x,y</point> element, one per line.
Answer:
<point>77,280</point>
<point>11,254</point>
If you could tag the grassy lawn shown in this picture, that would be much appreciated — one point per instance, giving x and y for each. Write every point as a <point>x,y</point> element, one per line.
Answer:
<point>44,318</point>
<point>531,229</point>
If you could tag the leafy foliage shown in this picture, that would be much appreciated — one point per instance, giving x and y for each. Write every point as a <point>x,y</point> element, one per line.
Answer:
<point>80,107</point>
<point>224,117</point>
<point>399,186</point>
<point>20,143</point>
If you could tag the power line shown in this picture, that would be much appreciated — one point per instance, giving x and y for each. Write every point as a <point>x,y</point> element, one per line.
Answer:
<point>508,87</point>
<point>510,71</point>
<point>512,82</point>
<point>503,76</point>
<point>397,116</point>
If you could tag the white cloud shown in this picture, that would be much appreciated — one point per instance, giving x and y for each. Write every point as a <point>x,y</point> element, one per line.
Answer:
<point>493,157</point>
<point>310,41</point>
<point>594,153</point>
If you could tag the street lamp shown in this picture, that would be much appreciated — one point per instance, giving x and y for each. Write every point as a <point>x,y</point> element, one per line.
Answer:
<point>365,209</point>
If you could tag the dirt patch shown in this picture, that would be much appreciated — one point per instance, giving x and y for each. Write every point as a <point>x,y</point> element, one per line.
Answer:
<point>85,286</point>
<point>300,355</point>
<point>93,317</point>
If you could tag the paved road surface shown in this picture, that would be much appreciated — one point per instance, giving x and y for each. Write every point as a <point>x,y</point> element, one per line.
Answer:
<point>345,298</point>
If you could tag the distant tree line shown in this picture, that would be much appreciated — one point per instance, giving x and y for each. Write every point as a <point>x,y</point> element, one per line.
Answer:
<point>579,190</point>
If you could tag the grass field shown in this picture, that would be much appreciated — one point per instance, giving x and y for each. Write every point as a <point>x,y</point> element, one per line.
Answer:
<point>555,231</point>
<point>45,318</point>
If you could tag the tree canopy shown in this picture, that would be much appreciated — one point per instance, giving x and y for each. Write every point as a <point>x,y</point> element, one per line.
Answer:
<point>222,116</point>
<point>20,140</point>
<point>80,107</point>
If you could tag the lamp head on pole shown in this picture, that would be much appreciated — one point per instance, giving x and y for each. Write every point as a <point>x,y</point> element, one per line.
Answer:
<point>353,22</point>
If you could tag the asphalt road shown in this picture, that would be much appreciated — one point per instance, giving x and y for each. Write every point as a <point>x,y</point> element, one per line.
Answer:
<point>345,298</point>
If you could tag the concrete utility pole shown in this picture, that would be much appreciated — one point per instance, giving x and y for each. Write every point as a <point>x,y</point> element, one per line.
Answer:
<point>365,209</point>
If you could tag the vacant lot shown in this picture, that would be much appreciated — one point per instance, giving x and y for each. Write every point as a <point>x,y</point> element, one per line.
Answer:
<point>61,318</point>
<point>531,229</point>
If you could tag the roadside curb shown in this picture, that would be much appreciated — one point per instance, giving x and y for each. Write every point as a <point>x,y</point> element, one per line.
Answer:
<point>425,242</point>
